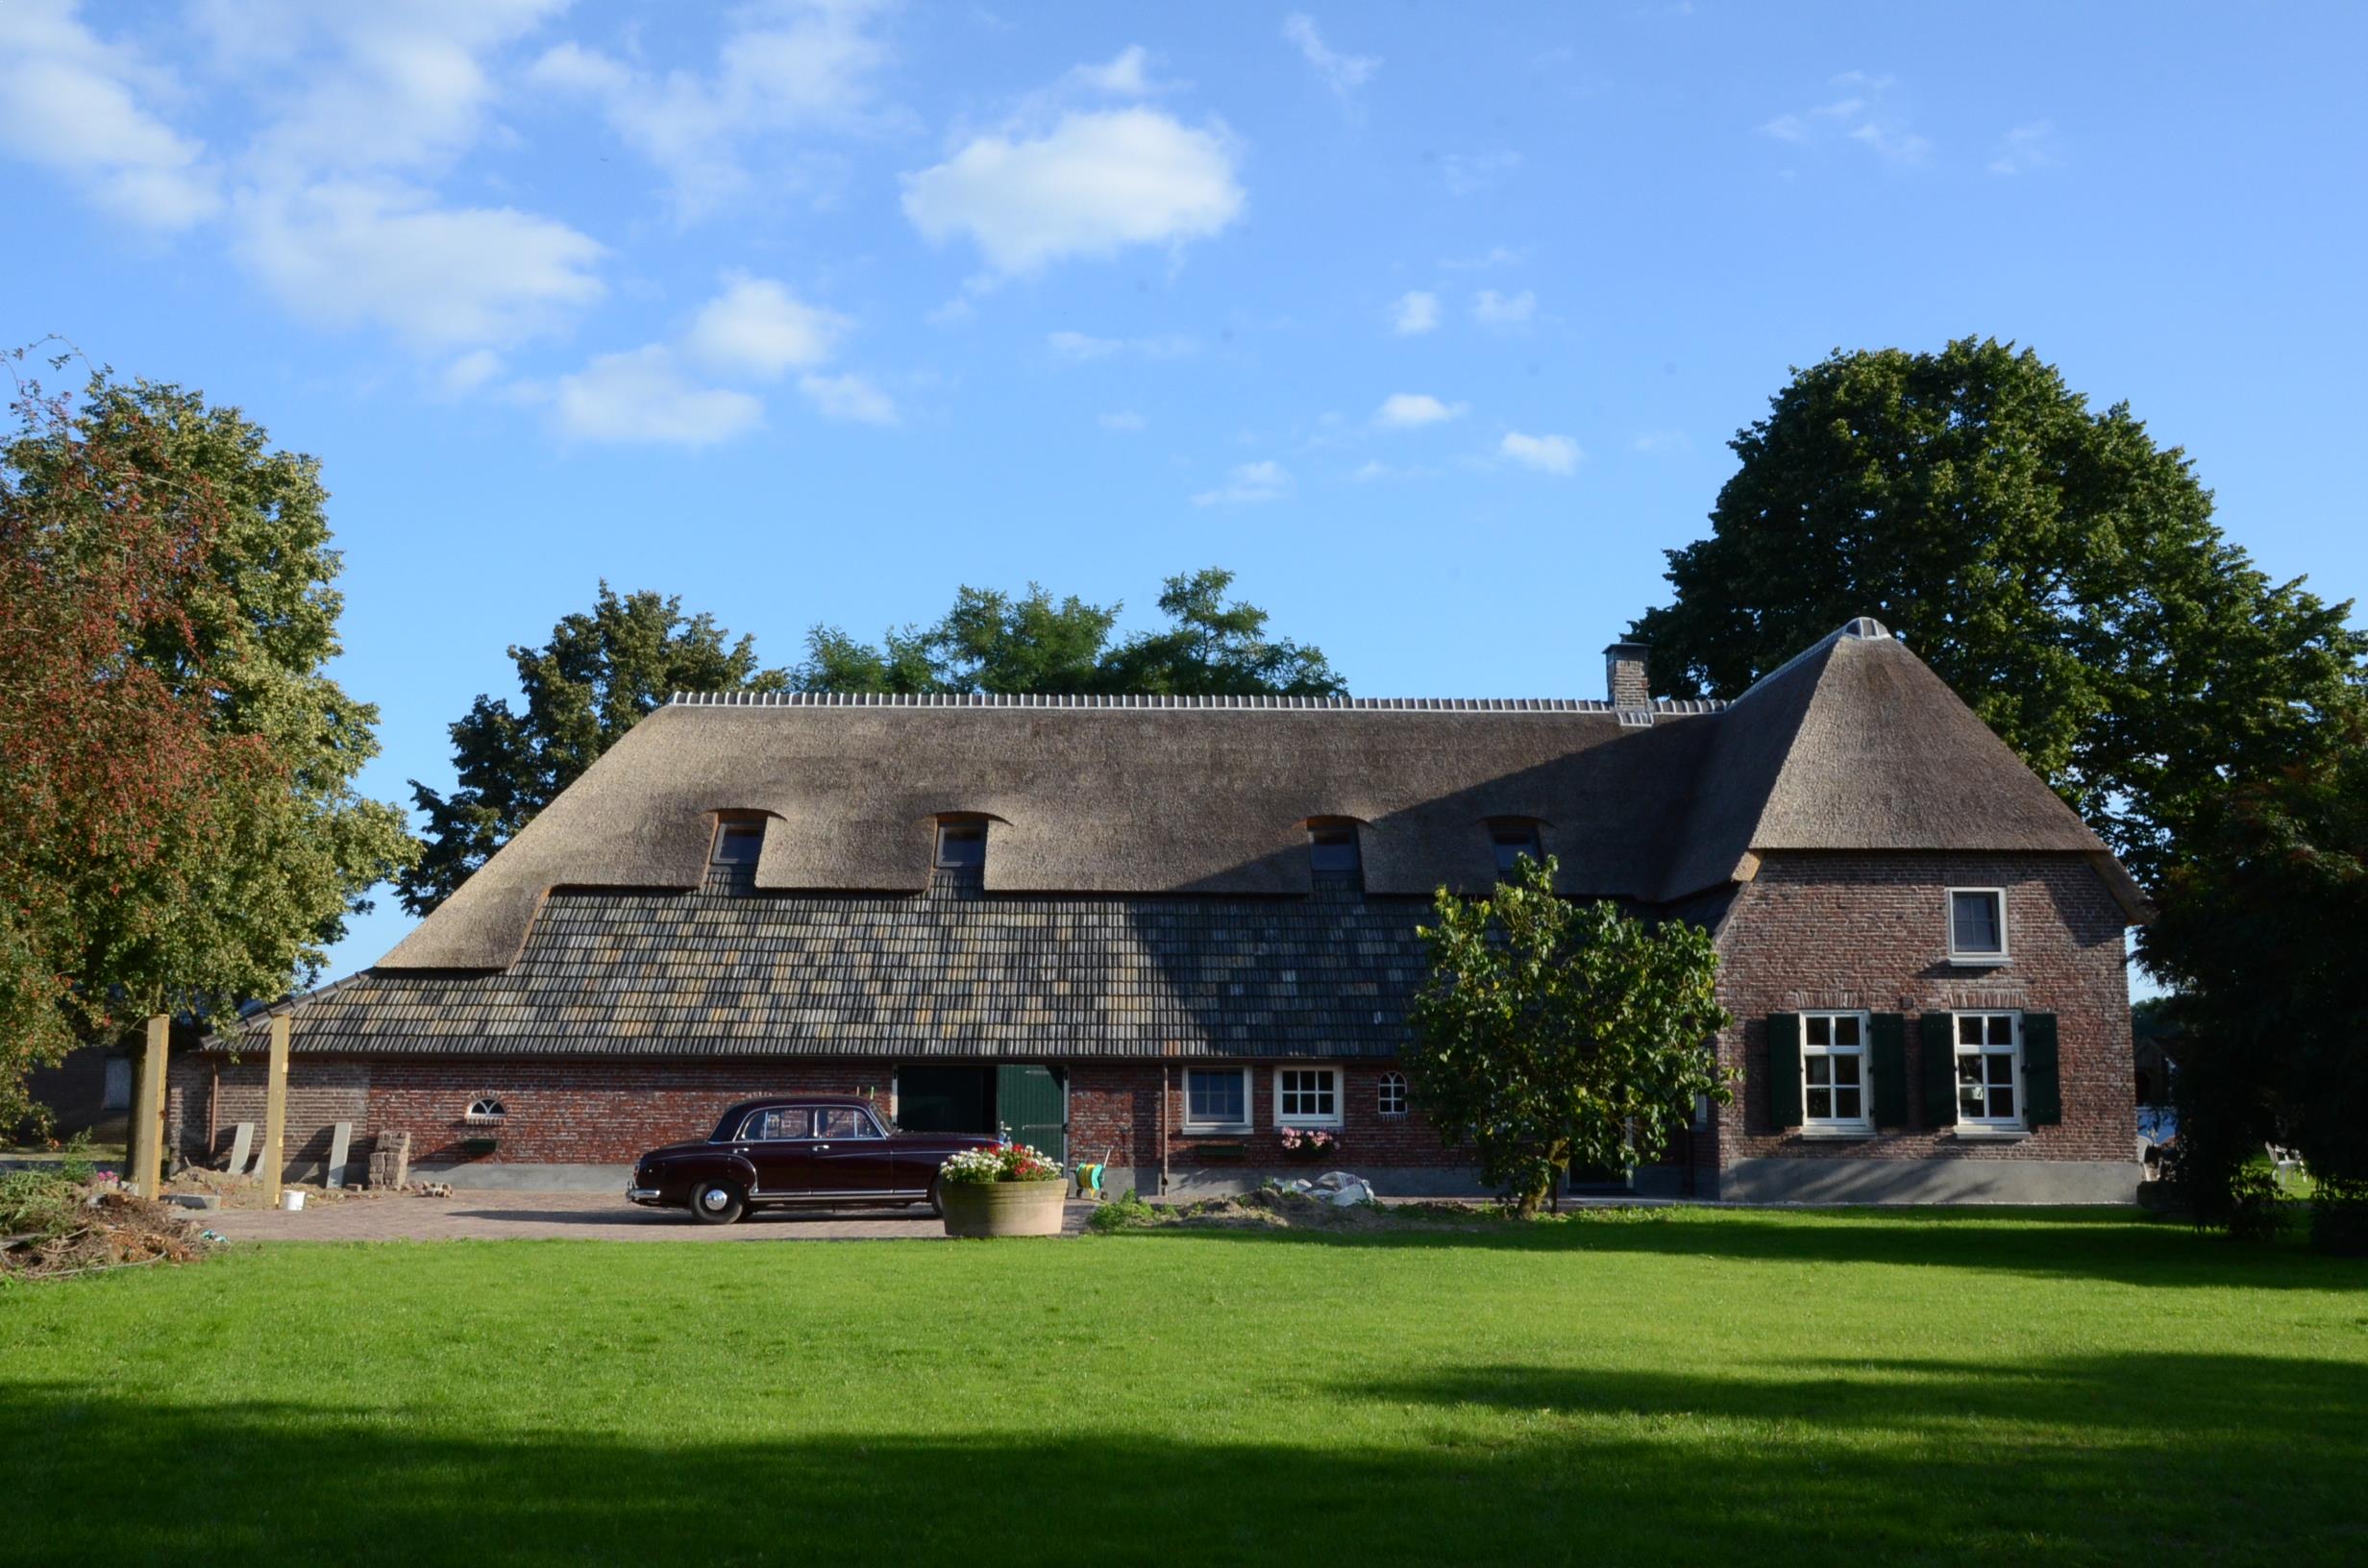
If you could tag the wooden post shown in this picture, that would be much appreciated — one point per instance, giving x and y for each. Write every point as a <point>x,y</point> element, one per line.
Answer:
<point>274,1112</point>
<point>147,1133</point>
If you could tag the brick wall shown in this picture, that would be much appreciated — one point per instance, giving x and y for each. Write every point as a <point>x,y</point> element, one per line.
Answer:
<point>320,1094</point>
<point>1118,1106</point>
<point>1870,932</point>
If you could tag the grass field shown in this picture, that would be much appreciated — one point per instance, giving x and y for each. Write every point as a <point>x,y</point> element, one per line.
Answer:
<point>1685,1386</point>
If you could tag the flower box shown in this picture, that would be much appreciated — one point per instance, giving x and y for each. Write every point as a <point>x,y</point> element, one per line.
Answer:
<point>990,1208</point>
<point>1310,1143</point>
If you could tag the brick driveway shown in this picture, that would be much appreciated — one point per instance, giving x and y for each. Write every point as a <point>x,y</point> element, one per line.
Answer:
<point>574,1217</point>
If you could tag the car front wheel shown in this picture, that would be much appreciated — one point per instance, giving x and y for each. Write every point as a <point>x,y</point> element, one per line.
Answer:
<point>717,1203</point>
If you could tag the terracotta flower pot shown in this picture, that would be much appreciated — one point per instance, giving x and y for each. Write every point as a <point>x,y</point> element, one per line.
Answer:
<point>1003,1207</point>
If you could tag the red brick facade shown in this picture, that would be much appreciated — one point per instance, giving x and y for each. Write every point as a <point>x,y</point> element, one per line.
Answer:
<point>1842,931</point>
<point>1870,932</point>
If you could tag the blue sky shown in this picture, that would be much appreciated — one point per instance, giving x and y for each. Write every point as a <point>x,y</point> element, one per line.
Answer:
<point>1430,321</point>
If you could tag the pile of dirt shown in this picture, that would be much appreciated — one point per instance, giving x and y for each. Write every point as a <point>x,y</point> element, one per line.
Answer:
<point>115,1231</point>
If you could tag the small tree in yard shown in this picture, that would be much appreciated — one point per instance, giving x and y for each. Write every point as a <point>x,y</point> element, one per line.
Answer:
<point>1551,1033</point>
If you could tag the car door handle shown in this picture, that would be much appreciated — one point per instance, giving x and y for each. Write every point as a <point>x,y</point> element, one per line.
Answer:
<point>821,1146</point>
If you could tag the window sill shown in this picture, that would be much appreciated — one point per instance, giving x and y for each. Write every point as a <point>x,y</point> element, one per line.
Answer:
<point>1977,961</point>
<point>1835,1134</point>
<point>1990,1135</point>
<point>1216,1130</point>
<point>1332,1126</point>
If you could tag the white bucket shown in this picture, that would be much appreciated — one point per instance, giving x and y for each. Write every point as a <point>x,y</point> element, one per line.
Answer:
<point>291,1201</point>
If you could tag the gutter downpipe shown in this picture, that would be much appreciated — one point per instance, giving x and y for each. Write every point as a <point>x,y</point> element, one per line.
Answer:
<point>1166,1105</point>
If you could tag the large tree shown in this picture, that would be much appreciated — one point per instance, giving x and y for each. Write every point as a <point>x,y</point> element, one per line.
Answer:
<point>990,641</point>
<point>178,827</point>
<point>2263,931</point>
<point>600,673</point>
<point>1550,1034</point>
<point>2052,563</point>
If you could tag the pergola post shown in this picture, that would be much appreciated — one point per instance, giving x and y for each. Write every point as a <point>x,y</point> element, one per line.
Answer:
<point>275,1112</point>
<point>147,1133</point>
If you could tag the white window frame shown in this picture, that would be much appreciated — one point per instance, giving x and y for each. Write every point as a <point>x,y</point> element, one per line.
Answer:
<point>1393,1087</point>
<point>1864,1121</point>
<point>1241,1126</point>
<point>727,827</point>
<point>1958,1050</point>
<point>1948,914</point>
<point>475,1116</point>
<point>1340,1088</point>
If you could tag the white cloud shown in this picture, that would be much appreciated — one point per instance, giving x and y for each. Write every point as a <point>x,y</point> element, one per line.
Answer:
<point>1414,312</point>
<point>1083,349</point>
<point>1248,485</point>
<point>2025,148</point>
<point>473,370</point>
<point>345,253</point>
<point>1407,410</point>
<point>788,67</point>
<point>1126,75</point>
<point>848,397</point>
<point>642,394</point>
<point>1659,443</point>
<point>1547,454</point>
<point>1865,114</point>
<point>1125,421</point>
<point>1343,74</point>
<point>1467,173</point>
<point>1491,308</point>
<point>375,87</point>
<point>1092,185</point>
<point>72,103</point>
<point>757,328</point>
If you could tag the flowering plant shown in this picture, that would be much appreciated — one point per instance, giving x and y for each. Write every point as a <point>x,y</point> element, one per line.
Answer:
<point>1308,1143</point>
<point>1004,1162</point>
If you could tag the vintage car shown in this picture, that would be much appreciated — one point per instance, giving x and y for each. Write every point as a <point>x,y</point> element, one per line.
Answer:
<point>813,1151</point>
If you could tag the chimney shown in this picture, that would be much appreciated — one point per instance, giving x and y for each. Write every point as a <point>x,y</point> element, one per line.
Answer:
<point>1624,674</point>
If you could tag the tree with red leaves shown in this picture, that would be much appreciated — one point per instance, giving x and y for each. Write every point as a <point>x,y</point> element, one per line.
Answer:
<point>151,780</point>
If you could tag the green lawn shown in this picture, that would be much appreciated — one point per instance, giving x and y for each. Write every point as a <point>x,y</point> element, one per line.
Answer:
<point>1691,1386</point>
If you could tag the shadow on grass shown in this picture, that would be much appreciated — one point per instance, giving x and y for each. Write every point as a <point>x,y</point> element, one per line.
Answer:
<point>2109,1460</point>
<point>2069,1243</point>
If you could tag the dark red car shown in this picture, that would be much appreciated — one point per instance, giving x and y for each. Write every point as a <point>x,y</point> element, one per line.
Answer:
<point>810,1150</point>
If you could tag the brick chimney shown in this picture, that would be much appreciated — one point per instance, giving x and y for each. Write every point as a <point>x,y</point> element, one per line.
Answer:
<point>1624,674</point>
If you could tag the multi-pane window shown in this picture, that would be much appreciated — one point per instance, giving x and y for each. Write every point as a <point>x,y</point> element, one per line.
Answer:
<point>1307,1097</point>
<point>962,844</point>
<point>1512,841</point>
<point>1989,1070</point>
<point>1978,925</point>
<point>1216,1098</point>
<point>1393,1095</point>
<point>1834,1070</point>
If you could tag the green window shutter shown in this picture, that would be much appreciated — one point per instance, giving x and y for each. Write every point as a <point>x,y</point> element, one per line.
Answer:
<point>2042,1088</point>
<point>1936,1042</point>
<point>1784,1068</point>
<point>1889,1068</point>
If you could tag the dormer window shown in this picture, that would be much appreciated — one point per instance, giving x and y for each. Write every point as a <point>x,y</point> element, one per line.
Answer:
<point>961,845</point>
<point>1332,847</point>
<point>737,843</point>
<point>1512,838</point>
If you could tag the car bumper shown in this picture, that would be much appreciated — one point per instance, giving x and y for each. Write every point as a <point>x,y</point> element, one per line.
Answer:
<point>643,1194</point>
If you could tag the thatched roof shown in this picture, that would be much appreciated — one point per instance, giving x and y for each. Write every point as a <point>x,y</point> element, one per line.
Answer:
<point>1854,746</point>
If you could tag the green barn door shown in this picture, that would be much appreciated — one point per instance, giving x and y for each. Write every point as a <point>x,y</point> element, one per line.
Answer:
<point>1033,1108</point>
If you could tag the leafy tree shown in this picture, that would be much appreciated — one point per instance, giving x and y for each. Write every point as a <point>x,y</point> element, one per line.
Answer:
<point>599,675</point>
<point>994,642</point>
<point>179,829</point>
<point>2261,932</point>
<point>1550,1032</point>
<point>2052,563</point>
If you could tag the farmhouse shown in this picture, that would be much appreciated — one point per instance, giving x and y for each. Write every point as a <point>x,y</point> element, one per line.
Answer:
<point>1172,931</point>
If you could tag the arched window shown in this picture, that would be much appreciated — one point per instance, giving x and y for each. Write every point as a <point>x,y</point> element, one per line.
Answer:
<point>485,1108</point>
<point>1393,1096</point>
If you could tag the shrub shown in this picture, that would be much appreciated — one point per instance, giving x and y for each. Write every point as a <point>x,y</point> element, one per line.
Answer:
<point>1123,1213</point>
<point>1004,1162</point>
<point>39,1204</point>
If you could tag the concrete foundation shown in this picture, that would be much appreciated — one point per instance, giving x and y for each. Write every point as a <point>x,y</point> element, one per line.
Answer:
<point>484,1175</point>
<point>1929,1181</point>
